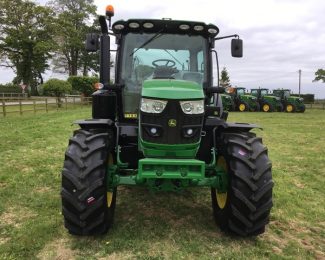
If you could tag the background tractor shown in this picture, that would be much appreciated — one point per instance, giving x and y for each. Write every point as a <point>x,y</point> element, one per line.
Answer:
<point>268,103</point>
<point>227,102</point>
<point>243,102</point>
<point>164,130</point>
<point>290,103</point>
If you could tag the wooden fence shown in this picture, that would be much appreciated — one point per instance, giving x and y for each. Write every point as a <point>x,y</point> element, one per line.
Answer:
<point>22,106</point>
<point>25,105</point>
<point>316,105</point>
<point>12,96</point>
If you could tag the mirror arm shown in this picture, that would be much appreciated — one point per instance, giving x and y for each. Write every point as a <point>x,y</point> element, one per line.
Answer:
<point>217,60</point>
<point>103,24</point>
<point>228,36</point>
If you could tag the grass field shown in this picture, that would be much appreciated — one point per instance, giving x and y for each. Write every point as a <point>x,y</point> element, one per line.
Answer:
<point>159,226</point>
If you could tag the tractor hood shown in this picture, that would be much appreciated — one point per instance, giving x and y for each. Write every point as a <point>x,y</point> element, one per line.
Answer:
<point>172,89</point>
<point>250,97</point>
<point>273,97</point>
<point>297,99</point>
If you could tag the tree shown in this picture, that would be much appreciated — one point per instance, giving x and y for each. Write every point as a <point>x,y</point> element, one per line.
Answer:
<point>84,85</point>
<point>73,23</point>
<point>319,75</point>
<point>56,87</point>
<point>224,78</point>
<point>25,40</point>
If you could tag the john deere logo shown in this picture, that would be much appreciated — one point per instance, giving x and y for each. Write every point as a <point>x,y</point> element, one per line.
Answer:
<point>172,122</point>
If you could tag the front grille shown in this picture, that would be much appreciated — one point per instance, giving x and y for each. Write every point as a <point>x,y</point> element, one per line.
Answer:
<point>167,134</point>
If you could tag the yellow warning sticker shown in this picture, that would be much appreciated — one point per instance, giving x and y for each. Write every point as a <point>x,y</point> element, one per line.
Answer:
<point>130,115</point>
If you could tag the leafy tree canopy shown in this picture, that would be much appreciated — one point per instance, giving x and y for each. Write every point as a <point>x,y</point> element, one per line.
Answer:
<point>84,85</point>
<point>26,40</point>
<point>74,21</point>
<point>320,75</point>
<point>56,87</point>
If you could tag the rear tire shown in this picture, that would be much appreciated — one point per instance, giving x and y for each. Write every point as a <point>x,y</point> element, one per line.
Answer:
<point>243,106</point>
<point>290,108</point>
<point>87,206</point>
<point>246,210</point>
<point>267,107</point>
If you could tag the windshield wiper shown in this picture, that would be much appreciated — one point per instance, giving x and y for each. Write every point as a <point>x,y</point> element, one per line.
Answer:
<point>157,35</point>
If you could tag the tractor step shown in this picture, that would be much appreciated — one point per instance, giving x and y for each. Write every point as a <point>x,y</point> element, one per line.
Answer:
<point>152,168</point>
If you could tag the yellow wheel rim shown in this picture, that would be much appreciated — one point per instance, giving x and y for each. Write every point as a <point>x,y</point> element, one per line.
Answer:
<point>222,197</point>
<point>109,198</point>
<point>109,194</point>
<point>266,107</point>
<point>289,108</point>
<point>242,107</point>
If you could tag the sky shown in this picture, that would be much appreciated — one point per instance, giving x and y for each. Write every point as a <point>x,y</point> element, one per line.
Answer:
<point>280,37</point>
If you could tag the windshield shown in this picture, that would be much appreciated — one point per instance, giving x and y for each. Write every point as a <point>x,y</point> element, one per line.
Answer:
<point>264,92</point>
<point>160,56</point>
<point>277,93</point>
<point>286,93</point>
<point>241,91</point>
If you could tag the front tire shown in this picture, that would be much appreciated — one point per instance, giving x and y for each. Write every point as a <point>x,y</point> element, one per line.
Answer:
<point>302,109</point>
<point>245,208</point>
<point>87,206</point>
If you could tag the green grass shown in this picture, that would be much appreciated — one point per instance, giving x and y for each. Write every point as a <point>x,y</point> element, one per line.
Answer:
<point>159,226</point>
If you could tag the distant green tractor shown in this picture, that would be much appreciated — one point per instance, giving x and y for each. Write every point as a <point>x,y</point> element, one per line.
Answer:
<point>268,103</point>
<point>242,101</point>
<point>290,103</point>
<point>228,103</point>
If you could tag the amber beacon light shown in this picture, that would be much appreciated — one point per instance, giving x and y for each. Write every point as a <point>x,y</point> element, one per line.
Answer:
<point>109,11</point>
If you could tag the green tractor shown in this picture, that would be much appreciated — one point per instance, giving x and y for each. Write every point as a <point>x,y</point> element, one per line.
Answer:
<point>290,103</point>
<point>268,103</point>
<point>227,102</point>
<point>164,130</point>
<point>242,101</point>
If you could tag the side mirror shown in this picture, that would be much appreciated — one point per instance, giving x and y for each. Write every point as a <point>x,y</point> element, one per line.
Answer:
<point>92,42</point>
<point>237,48</point>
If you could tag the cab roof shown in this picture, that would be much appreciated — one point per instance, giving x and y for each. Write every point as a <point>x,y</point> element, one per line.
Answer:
<point>165,26</point>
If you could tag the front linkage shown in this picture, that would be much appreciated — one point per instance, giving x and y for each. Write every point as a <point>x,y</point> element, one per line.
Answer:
<point>169,174</point>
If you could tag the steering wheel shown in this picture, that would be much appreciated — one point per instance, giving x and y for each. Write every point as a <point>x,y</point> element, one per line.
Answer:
<point>166,61</point>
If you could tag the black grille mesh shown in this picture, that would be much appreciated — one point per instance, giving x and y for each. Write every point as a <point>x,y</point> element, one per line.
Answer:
<point>171,135</point>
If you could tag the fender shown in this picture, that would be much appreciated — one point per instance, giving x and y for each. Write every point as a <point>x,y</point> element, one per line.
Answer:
<point>219,124</point>
<point>212,127</point>
<point>233,127</point>
<point>95,123</point>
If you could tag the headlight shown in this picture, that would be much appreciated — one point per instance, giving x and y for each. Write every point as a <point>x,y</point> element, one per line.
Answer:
<point>192,106</point>
<point>152,105</point>
<point>301,99</point>
<point>277,98</point>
